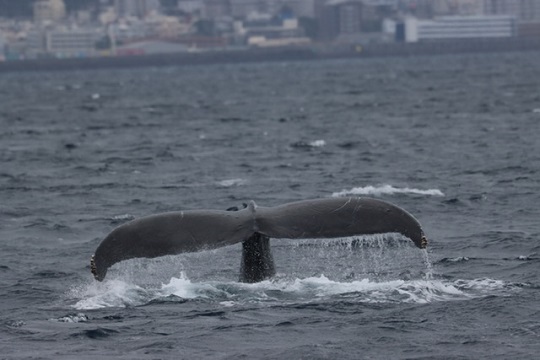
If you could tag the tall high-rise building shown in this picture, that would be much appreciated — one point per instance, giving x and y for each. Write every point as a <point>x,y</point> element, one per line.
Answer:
<point>349,18</point>
<point>49,10</point>
<point>136,8</point>
<point>339,18</point>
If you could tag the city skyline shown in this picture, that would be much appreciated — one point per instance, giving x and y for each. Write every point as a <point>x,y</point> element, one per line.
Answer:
<point>137,27</point>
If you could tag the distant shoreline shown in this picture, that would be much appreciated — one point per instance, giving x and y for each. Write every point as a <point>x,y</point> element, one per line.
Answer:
<point>278,54</point>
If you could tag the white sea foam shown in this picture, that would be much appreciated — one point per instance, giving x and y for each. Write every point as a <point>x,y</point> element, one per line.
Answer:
<point>123,217</point>
<point>317,143</point>
<point>386,190</point>
<point>185,289</point>
<point>115,293</point>
<point>483,284</point>
<point>74,318</point>
<point>232,182</point>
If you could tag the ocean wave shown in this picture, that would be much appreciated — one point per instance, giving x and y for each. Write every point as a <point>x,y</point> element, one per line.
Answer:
<point>122,218</point>
<point>386,190</point>
<point>317,143</point>
<point>232,182</point>
<point>309,145</point>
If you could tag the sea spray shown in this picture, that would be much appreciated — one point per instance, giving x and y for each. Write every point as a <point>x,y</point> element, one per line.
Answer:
<point>429,265</point>
<point>292,291</point>
<point>386,189</point>
<point>378,257</point>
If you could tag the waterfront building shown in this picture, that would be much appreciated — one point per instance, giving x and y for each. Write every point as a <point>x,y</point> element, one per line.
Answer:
<point>2,48</point>
<point>191,6</point>
<point>136,8</point>
<point>72,42</point>
<point>243,8</point>
<point>35,44</point>
<point>341,19</point>
<point>216,9</point>
<point>457,7</point>
<point>49,11</point>
<point>62,42</point>
<point>349,18</point>
<point>133,30</point>
<point>169,27</point>
<point>459,27</point>
<point>524,10</point>
<point>265,30</point>
<point>299,8</point>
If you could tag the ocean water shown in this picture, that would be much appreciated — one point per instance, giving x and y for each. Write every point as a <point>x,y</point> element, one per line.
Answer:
<point>454,140</point>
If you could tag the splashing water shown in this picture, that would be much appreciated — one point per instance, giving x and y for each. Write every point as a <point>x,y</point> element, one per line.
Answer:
<point>120,294</point>
<point>373,269</point>
<point>386,190</point>
<point>429,265</point>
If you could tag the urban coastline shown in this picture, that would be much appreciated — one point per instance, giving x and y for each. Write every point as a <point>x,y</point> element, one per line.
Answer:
<point>293,53</point>
<point>45,35</point>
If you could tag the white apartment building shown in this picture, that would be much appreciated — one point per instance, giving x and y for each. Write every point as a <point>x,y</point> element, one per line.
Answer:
<point>63,42</point>
<point>459,27</point>
<point>72,43</point>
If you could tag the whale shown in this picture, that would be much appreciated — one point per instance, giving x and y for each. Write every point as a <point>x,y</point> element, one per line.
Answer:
<point>254,226</point>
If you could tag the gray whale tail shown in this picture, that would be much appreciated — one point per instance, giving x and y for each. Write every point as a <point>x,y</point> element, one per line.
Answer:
<point>197,230</point>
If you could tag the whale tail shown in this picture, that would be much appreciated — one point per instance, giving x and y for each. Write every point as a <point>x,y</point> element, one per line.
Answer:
<point>190,231</point>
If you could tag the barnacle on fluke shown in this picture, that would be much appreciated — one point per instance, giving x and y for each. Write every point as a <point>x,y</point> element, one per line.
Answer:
<point>93,268</point>
<point>423,243</point>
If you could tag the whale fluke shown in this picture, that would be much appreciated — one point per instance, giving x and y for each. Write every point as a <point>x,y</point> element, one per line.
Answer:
<point>197,230</point>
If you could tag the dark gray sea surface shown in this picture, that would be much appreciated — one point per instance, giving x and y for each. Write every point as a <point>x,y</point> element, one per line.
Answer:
<point>453,140</point>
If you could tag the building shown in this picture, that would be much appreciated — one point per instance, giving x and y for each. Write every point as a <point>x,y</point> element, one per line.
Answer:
<point>244,8</point>
<point>345,18</point>
<point>523,10</point>
<point>49,11</point>
<point>2,48</point>
<point>265,31</point>
<point>72,42</point>
<point>63,42</point>
<point>298,8</point>
<point>191,6</point>
<point>216,9</point>
<point>432,8</point>
<point>349,18</point>
<point>458,27</point>
<point>136,8</point>
<point>470,7</point>
<point>134,30</point>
